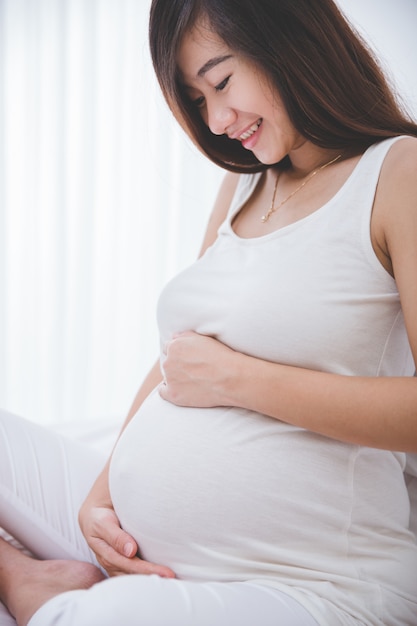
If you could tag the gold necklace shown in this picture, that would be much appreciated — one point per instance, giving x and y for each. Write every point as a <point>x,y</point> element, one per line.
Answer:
<point>272,209</point>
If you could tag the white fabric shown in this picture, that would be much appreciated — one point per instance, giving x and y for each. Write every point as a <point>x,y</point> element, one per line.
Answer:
<point>42,472</point>
<point>153,601</point>
<point>100,436</point>
<point>44,478</point>
<point>227,494</point>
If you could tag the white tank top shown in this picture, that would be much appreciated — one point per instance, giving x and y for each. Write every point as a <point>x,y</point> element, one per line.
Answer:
<point>229,494</point>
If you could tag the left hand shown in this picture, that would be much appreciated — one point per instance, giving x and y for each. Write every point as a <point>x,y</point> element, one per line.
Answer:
<point>197,371</point>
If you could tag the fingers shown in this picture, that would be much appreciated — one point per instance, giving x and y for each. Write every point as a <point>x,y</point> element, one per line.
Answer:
<point>116,564</point>
<point>116,550</point>
<point>136,565</point>
<point>185,333</point>
<point>109,530</point>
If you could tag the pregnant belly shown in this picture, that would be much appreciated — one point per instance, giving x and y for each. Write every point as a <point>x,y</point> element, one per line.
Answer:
<point>222,493</point>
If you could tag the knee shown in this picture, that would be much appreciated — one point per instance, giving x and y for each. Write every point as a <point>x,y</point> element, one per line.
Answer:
<point>106,602</point>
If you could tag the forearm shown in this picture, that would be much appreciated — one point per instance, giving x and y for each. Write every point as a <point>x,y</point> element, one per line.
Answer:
<point>377,412</point>
<point>153,379</point>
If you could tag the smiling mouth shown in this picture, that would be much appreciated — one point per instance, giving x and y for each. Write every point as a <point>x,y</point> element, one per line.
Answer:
<point>251,130</point>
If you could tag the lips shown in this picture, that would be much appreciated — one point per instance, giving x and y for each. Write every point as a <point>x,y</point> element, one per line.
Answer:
<point>248,133</point>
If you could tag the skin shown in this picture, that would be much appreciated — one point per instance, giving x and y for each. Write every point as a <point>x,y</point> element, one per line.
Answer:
<point>26,584</point>
<point>232,95</point>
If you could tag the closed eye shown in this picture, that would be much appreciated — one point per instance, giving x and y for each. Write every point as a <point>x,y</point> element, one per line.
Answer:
<point>199,102</point>
<point>223,84</point>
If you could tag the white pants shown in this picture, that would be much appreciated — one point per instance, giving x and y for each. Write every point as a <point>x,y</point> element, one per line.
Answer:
<point>43,480</point>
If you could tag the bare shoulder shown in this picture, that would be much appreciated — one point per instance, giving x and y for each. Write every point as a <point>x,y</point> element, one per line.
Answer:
<point>401,162</point>
<point>395,209</point>
<point>397,189</point>
<point>220,209</point>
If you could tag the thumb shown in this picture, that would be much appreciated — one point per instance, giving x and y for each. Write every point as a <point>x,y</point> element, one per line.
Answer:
<point>123,543</point>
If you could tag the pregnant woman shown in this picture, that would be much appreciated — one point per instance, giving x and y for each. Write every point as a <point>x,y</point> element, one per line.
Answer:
<point>261,475</point>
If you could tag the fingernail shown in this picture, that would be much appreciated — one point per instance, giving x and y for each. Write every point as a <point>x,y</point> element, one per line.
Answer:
<point>127,549</point>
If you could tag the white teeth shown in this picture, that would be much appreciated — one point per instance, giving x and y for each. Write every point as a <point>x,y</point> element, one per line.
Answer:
<point>251,130</point>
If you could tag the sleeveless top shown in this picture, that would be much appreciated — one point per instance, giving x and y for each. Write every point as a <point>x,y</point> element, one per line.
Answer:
<point>229,494</point>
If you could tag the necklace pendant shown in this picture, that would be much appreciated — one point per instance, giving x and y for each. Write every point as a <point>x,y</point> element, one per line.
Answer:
<point>266,217</point>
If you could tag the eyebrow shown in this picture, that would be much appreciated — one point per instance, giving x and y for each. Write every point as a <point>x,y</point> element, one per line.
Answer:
<point>212,63</point>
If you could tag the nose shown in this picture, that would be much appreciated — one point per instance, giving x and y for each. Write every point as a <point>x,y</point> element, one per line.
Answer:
<point>219,118</point>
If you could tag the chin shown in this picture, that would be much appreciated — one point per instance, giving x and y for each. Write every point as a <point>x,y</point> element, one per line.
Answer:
<point>270,157</point>
<point>270,160</point>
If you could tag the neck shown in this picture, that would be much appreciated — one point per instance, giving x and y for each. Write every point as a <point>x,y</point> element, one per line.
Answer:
<point>309,158</point>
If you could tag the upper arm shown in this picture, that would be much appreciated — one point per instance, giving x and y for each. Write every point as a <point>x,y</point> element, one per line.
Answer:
<point>220,209</point>
<point>398,218</point>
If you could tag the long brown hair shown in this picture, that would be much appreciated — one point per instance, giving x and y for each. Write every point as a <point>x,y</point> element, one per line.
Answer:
<point>333,89</point>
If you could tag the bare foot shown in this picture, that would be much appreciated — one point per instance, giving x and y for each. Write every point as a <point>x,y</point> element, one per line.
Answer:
<point>26,583</point>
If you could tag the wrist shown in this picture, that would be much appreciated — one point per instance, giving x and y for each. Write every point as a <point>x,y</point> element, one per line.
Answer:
<point>234,380</point>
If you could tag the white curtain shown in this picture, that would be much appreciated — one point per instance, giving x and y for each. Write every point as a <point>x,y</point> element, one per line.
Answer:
<point>96,184</point>
<point>102,198</point>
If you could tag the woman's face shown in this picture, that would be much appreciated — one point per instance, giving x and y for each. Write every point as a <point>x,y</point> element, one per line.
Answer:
<point>234,97</point>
